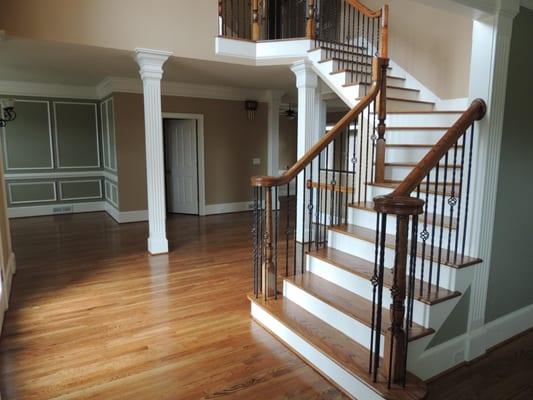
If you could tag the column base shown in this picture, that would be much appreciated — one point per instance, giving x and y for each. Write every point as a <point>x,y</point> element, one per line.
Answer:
<point>157,245</point>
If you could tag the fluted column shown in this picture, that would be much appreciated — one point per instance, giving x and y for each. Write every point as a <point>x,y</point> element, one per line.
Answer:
<point>308,130</point>
<point>151,70</point>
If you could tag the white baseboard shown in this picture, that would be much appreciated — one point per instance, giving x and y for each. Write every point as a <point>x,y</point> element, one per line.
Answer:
<point>121,217</point>
<point>124,217</point>
<point>449,354</point>
<point>133,216</point>
<point>70,208</point>
<point>509,326</point>
<point>224,208</point>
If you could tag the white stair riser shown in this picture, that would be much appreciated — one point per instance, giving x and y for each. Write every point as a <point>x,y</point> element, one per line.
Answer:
<point>429,137</point>
<point>367,219</point>
<point>349,326</point>
<point>413,154</point>
<point>321,54</point>
<point>422,120</point>
<point>327,366</point>
<point>399,173</point>
<point>397,105</point>
<point>363,287</point>
<point>366,250</point>
<point>429,200</point>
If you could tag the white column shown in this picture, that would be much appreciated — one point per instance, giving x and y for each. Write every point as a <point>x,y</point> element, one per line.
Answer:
<point>488,80</point>
<point>308,131</point>
<point>274,103</point>
<point>151,70</point>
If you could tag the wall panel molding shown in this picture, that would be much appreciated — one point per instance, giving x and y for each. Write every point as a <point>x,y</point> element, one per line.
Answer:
<point>62,197</point>
<point>5,141</point>
<point>10,186</point>
<point>57,136</point>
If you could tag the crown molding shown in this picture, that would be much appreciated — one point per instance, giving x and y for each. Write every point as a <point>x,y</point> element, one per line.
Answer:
<point>36,89</point>
<point>127,85</point>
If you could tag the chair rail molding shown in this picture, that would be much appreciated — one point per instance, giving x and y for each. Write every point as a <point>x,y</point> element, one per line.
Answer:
<point>488,79</point>
<point>151,71</point>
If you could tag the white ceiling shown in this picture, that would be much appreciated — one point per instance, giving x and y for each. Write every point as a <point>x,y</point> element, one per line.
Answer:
<point>67,64</point>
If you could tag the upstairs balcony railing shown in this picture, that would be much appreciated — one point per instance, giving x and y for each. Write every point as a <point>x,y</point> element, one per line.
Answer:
<point>340,22</point>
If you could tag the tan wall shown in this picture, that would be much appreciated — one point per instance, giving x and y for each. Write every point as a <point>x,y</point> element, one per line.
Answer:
<point>288,135</point>
<point>120,24</point>
<point>432,45</point>
<point>232,141</point>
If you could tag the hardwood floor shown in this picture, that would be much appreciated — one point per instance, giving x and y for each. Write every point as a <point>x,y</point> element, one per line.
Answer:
<point>92,316</point>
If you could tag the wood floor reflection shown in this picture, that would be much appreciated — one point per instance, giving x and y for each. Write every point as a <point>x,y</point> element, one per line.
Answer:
<point>93,316</point>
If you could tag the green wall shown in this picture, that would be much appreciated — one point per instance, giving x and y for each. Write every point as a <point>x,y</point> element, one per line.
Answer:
<point>512,252</point>
<point>57,150</point>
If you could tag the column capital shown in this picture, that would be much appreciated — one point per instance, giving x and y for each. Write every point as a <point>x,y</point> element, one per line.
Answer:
<point>151,62</point>
<point>272,96</point>
<point>306,77</point>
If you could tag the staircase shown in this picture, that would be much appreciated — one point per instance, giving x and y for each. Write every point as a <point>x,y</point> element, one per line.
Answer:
<point>359,248</point>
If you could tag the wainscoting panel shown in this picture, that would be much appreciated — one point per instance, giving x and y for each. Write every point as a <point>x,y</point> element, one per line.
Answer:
<point>76,134</point>
<point>80,189</point>
<point>31,192</point>
<point>27,141</point>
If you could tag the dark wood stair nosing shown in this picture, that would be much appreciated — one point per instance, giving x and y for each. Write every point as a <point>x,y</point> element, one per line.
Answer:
<point>355,369</point>
<point>447,294</point>
<point>350,312</point>
<point>470,260</point>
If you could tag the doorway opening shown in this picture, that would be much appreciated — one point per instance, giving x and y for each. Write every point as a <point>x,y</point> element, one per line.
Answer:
<point>184,163</point>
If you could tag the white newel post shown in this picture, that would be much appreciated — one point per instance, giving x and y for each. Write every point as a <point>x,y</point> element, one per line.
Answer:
<point>308,128</point>
<point>488,80</point>
<point>151,70</point>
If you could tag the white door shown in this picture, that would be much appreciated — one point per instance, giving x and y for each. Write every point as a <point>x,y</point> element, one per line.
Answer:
<point>181,166</point>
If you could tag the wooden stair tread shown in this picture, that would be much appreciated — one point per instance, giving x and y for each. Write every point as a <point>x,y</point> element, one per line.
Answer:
<point>347,353</point>
<point>423,188</point>
<point>365,269</point>
<point>405,100</point>
<point>369,235</point>
<point>416,128</point>
<point>412,145</point>
<point>426,112</point>
<point>348,302</point>
<point>446,221</point>
<point>340,71</point>
<point>412,165</point>
<point>366,63</point>
<point>328,186</point>
<point>388,87</point>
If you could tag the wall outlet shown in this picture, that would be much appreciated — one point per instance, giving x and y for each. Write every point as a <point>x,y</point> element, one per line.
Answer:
<point>256,161</point>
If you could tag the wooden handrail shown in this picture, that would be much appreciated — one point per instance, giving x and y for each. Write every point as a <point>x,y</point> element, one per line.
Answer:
<point>378,70</point>
<point>475,112</point>
<point>364,9</point>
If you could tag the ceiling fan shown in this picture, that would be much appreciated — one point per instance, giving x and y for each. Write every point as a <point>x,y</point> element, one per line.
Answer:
<point>290,113</point>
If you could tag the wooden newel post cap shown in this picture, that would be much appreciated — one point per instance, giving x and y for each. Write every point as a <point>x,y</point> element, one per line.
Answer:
<point>399,205</point>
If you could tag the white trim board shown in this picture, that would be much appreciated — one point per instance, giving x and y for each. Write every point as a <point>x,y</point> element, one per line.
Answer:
<point>449,354</point>
<point>59,175</point>
<point>10,195</point>
<point>62,198</point>
<point>112,85</point>
<point>201,153</point>
<point>225,208</point>
<point>38,89</point>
